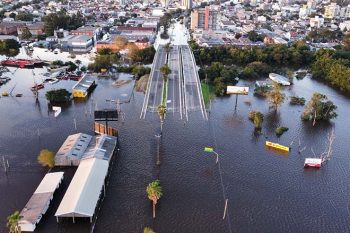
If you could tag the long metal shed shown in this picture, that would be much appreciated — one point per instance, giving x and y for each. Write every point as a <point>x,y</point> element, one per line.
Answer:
<point>84,191</point>
<point>40,201</point>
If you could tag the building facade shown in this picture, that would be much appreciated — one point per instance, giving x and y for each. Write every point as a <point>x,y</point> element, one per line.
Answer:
<point>205,18</point>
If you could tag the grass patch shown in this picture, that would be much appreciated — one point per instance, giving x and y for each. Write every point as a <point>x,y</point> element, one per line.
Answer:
<point>164,97</point>
<point>208,93</point>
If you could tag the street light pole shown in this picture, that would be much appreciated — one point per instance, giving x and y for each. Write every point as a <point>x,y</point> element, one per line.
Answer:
<point>211,150</point>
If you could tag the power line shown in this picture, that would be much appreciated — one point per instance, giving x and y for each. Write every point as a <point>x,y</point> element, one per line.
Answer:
<point>211,129</point>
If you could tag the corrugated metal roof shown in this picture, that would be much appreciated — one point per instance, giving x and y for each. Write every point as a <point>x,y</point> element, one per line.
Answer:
<point>83,193</point>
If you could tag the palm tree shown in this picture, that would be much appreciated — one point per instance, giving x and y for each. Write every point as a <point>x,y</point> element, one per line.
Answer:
<point>165,72</point>
<point>154,192</point>
<point>161,112</point>
<point>12,222</point>
<point>148,230</point>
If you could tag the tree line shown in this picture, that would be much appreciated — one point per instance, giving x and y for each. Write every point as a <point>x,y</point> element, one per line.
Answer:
<point>54,21</point>
<point>220,65</point>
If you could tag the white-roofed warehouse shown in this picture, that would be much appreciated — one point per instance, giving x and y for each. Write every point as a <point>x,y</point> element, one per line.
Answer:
<point>84,191</point>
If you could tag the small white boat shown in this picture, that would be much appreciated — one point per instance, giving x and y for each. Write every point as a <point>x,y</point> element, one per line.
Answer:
<point>279,79</point>
<point>53,81</point>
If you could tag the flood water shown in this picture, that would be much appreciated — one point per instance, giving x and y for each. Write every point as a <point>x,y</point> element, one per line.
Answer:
<point>266,191</point>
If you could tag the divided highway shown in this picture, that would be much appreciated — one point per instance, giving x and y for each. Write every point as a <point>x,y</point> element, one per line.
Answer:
<point>184,92</point>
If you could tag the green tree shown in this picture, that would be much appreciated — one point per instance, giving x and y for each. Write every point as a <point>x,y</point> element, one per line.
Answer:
<point>23,16</point>
<point>26,34</point>
<point>58,96</point>
<point>319,108</point>
<point>148,230</point>
<point>9,47</point>
<point>140,71</point>
<point>12,222</point>
<point>46,158</point>
<point>62,20</point>
<point>275,96</point>
<point>154,193</point>
<point>257,118</point>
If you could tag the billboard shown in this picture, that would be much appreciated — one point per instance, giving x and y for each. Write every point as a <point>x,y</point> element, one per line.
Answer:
<point>237,90</point>
<point>106,115</point>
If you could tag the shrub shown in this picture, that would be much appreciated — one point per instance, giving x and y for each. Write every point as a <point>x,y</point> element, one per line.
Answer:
<point>280,130</point>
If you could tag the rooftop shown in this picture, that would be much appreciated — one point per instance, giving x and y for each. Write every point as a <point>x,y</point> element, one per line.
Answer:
<point>85,82</point>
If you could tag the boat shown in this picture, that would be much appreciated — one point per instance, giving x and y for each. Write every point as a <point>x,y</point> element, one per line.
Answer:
<point>277,146</point>
<point>313,162</point>
<point>22,63</point>
<point>279,79</point>
<point>4,80</point>
<point>37,87</point>
<point>53,81</point>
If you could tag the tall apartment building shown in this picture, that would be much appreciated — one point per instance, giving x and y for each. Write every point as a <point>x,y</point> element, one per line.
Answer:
<point>205,18</point>
<point>331,11</point>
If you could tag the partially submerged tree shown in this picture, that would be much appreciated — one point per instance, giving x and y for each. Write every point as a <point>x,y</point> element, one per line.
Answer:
<point>280,130</point>
<point>58,96</point>
<point>154,193</point>
<point>275,96</point>
<point>319,108</point>
<point>46,158</point>
<point>12,222</point>
<point>296,100</point>
<point>257,118</point>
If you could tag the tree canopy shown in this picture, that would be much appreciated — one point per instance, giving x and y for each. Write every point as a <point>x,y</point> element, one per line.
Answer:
<point>275,96</point>
<point>58,96</point>
<point>319,108</point>
<point>23,16</point>
<point>9,47</point>
<point>54,21</point>
<point>46,158</point>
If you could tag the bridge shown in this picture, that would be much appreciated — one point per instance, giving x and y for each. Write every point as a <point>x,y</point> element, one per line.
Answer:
<point>184,93</point>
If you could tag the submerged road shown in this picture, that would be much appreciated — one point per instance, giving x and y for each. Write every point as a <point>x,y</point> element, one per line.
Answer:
<point>154,90</point>
<point>174,90</point>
